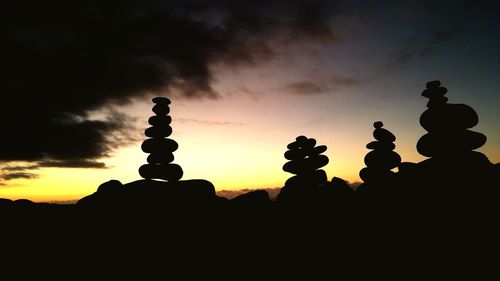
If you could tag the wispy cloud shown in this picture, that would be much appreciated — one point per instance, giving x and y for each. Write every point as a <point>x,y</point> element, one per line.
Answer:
<point>331,84</point>
<point>18,175</point>
<point>208,122</point>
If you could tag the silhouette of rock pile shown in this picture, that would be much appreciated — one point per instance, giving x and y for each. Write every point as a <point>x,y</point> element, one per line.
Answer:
<point>161,148</point>
<point>447,125</point>
<point>305,162</point>
<point>382,159</point>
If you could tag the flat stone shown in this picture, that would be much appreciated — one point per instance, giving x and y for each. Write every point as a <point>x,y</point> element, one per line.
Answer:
<point>449,143</point>
<point>378,145</point>
<point>169,172</point>
<point>450,117</point>
<point>383,135</point>
<point>437,92</point>
<point>433,84</point>
<point>158,132</point>
<point>159,146</point>
<point>383,160</point>
<point>318,150</point>
<point>160,120</point>
<point>160,158</point>
<point>161,100</point>
<point>306,165</point>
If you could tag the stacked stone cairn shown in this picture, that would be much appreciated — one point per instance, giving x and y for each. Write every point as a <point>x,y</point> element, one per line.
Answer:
<point>447,126</point>
<point>306,159</point>
<point>382,159</point>
<point>159,146</point>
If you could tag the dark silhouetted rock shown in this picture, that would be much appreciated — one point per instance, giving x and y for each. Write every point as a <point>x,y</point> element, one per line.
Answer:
<point>305,162</point>
<point>256,200</point>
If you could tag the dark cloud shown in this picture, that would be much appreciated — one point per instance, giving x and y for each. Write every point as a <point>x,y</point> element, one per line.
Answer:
<point>78,163</point>
<point>62,59</point>
<point>207,122</point>
<point>420,48</point>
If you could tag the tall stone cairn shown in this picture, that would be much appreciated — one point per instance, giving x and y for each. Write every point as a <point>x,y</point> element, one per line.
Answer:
<point>159,146</point>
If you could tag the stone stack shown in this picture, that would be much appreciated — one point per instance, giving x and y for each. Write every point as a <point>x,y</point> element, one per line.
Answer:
<point>447,126</point>
<point>382,159</point>
<point>159,146</point>
<point>306,159</point>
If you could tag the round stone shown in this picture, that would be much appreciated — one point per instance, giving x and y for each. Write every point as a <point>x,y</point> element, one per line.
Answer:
<point>161,109</point>
<point>378,145</point>
<point>161,100</point>
<point>169,172</point>
<point>378,124</point>
<point>450,117</point>
<point>383,135</point>
<point>160,158</point>
<point>383,160</point>
<point>449,143</point>
<point>160,120</point>
<point>159,146</point>
<point>158,132</point>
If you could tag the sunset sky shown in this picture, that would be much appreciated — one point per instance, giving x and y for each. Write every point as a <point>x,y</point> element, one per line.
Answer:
<point>244,77</point>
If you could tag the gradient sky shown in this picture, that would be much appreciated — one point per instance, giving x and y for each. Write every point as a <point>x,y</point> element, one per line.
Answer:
<point>244,79</point>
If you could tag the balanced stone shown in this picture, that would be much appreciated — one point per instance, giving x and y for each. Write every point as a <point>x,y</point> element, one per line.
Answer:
<point>159,145</point>
<point>433,84</point>
<point>378,145</point>
<point>160,120</point>
<point>450,117</point>
<point>306,164</point>
<point>385,160</point>
<point>158,132</point>
<point>169,172</point>
<point>383,135</point>
<point>163,158</point>
<point>315,178</point>
<point>161,109</point>
<point>449,143</point>
<point>161,100</point>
